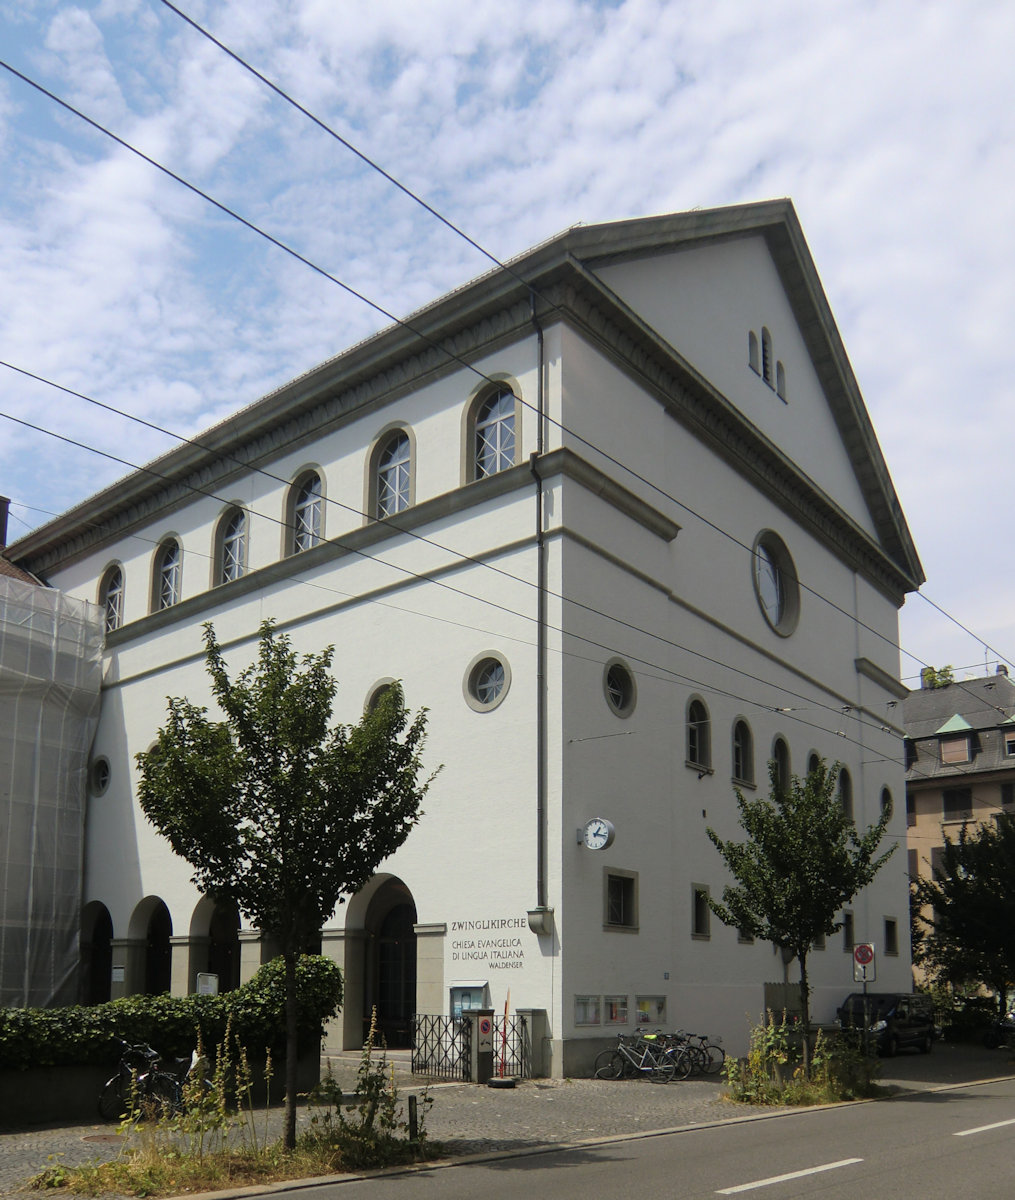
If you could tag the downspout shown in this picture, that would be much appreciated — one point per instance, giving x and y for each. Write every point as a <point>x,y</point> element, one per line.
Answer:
<point>540,919</point>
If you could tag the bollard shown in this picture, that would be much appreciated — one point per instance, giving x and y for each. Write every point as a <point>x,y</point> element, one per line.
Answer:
<point>413,1120</point>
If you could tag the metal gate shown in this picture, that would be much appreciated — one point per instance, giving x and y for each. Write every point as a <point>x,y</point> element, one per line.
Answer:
<point>511,1048</point>
<point>441,1047</point>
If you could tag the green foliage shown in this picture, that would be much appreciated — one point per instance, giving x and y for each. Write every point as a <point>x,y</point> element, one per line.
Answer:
<point>803,860</point>
<point>368,1128</point>
<point>937,677</point>
<point>43,1037</point>
<point>276,808</point>
<point>965,913</point>
<point>774,1073</point>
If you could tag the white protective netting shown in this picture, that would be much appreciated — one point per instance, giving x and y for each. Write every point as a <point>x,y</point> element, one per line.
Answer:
<point>50,674</point>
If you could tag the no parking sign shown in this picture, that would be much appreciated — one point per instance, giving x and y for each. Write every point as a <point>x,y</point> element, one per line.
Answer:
<point>485,1029</point>
<point>864,963</point>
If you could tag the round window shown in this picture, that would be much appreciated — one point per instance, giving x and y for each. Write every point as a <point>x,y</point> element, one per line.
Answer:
<point>775,583</point>
<point>618,686</point>
<point>98,776</point>
<point>486,682</point>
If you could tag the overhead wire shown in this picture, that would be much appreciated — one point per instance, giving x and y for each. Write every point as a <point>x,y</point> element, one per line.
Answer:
<point>668,674</point>
<point>439,216</point>
<point>443,349</point>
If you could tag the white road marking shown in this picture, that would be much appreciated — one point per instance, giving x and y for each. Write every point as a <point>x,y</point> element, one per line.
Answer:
<point>984,1128</point>
<point>760,1183</point>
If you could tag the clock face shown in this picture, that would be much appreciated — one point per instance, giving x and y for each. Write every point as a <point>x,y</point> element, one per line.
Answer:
<point>598,833</point>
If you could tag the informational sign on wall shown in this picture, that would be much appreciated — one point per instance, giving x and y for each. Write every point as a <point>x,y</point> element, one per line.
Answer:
<point>496,944</point>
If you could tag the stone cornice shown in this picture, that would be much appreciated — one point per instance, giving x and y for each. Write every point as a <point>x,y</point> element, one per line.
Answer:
<point>494,311</point>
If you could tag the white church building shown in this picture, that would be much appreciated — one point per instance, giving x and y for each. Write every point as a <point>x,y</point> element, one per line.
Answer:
<point>617,516</point>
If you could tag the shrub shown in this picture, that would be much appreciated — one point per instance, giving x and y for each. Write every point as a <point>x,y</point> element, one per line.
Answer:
<point>38,1037</point>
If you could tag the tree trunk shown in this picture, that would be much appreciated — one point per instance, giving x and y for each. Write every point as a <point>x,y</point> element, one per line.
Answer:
<point>291,1049</point>
<point>805,1011</point>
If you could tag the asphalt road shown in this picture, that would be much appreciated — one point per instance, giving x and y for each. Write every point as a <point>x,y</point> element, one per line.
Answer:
<point>940,1145</point>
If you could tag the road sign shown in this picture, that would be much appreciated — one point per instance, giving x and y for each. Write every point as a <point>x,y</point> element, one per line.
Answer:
<point>864,963</point>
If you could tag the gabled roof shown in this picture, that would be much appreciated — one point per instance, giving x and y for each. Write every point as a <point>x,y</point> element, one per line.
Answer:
<point>11,571</point>
<point>968,704</point>
<point>955,724</point>
<point>559,278</point>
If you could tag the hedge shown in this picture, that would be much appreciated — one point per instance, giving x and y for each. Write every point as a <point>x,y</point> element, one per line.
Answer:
<point>78,1035</point>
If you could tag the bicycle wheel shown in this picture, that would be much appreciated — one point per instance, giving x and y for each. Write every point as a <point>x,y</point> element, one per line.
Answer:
<point>715,1056</point>
<point>608,1065</point>
<point>163,1094</point>
<point>683,1062</point>
<point>663,1069</point>
<point>113,1104</point>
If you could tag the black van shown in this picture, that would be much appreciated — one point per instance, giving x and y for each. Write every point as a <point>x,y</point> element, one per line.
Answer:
<point>894,1020</point>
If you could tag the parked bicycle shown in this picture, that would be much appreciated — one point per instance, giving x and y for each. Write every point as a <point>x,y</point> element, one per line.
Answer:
<point>707,1053</point>
<point>142,1085</point>
<point>642,1054</point>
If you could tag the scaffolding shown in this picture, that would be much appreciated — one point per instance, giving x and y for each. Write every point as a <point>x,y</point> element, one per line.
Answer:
<point>50,676</point>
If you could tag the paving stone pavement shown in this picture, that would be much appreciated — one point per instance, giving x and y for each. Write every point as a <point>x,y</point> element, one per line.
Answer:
<point>470,1119</point>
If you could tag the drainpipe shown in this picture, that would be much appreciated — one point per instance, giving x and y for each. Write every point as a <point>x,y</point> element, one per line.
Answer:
<point>541,917</point>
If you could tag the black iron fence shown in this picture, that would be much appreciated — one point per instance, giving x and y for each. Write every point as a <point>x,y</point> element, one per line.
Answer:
<point>441,1047</point>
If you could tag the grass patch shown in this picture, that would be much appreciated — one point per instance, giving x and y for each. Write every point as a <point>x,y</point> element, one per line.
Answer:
<point>217,1143</point>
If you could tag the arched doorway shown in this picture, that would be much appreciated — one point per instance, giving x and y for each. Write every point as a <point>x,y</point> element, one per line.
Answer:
<point>224,946</point>
<point>158,952</point>
<point>96,953</point>
<point>390,978</point>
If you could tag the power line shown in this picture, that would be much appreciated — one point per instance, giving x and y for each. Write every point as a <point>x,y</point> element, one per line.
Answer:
<point>280,245</point>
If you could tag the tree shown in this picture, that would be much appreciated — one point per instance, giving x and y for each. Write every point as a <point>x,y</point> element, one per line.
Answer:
<point>275,807</point>
<point>803,861</point>
<point>937,677</point>
<point>965,913</point>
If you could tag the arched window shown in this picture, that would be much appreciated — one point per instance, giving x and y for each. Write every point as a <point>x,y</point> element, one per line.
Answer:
<point>495,433</point>
<point>743,752</point>
<point>780,757</point>
<point>766,356</point>
<point>753,358</point>
<point>231,558</point>
<point>111,598</point>
<point>394,475</point>
<point>304,519</point>
<point>886,801</point>
<point>699,750</point>
<point>780,380</point>
<point>846,793</point>
<point>167,575</point>
<point>813,761</point>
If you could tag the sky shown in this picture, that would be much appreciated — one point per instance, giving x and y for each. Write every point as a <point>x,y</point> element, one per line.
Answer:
<point>890,124</point>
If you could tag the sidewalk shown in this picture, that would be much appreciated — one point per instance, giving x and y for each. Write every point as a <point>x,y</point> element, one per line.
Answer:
<point>472,1119</point>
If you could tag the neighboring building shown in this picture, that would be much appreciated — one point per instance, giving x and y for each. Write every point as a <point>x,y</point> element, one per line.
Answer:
<point>960,762</point>
<point>50,672</point>
<point>617,516</point>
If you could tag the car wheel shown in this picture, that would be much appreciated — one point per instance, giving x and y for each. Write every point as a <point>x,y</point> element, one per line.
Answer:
<point>891,1047</point>
<point>926,1044</point>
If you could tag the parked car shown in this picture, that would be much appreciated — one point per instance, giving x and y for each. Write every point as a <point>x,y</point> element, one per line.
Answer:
<point>893,1020</point>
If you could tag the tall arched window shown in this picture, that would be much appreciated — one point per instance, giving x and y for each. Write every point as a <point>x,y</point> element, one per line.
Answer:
<point>699,750</point>
<point>753,358</point>
<point>766,356</point>
<point>307,502</point>
<point>394,466</point>
<point>846,793</point>
<point>743,752</point>
<point>167,575</point>
<point>780,757</point>
<point>495,433</point>
<point>232,551</point>
<point>111,598</point>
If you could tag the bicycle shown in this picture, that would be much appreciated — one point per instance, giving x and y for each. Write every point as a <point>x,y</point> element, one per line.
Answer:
<point>643,1054</point>
<point>707,1053</point>
<point>142,1086</point>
